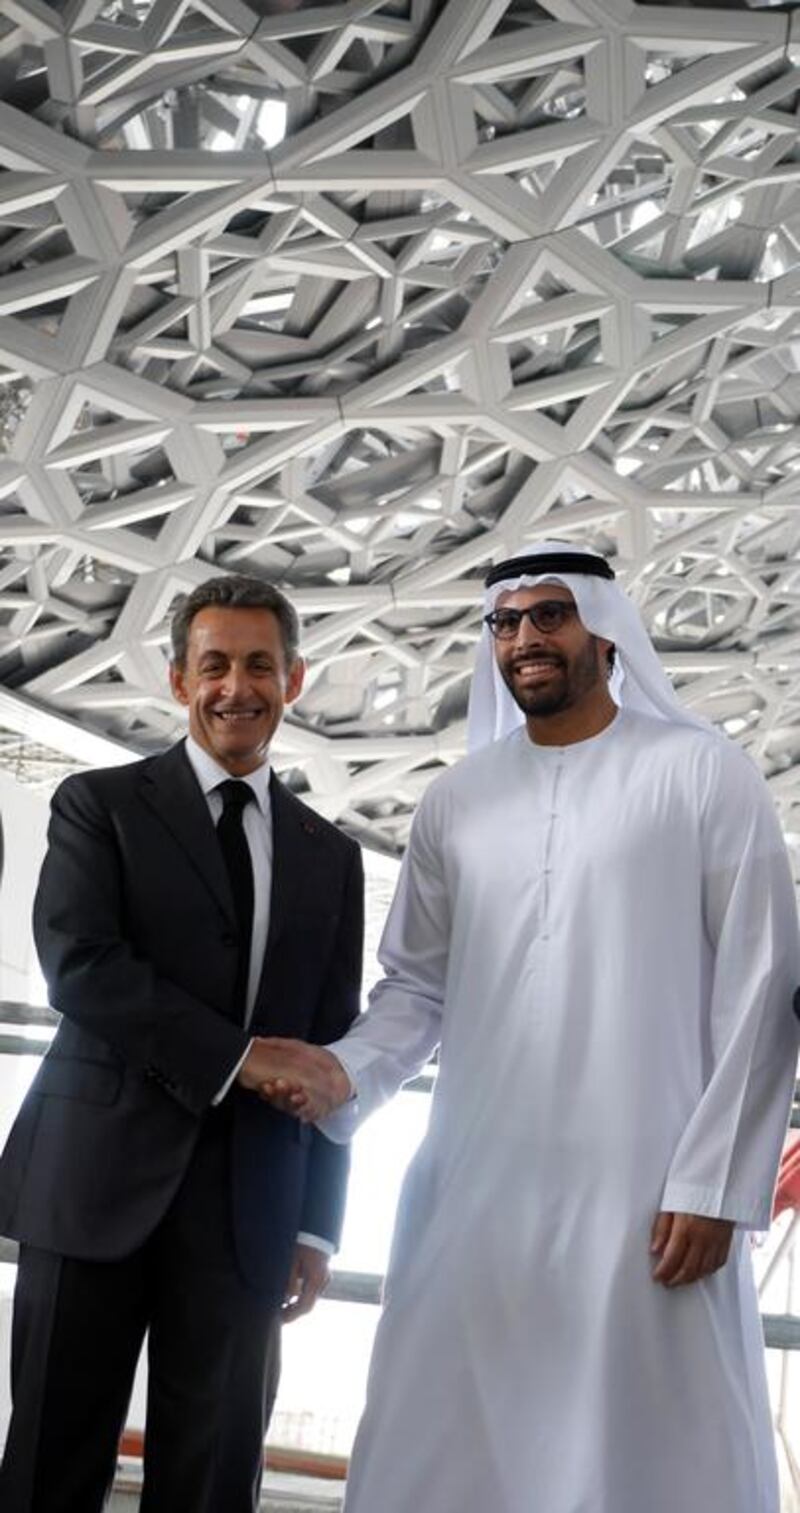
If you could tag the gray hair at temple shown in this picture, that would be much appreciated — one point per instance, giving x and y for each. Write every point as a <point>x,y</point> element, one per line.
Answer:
<point>234,591</point>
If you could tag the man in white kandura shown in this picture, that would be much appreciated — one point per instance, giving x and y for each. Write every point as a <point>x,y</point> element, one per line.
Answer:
<point>596,921</point>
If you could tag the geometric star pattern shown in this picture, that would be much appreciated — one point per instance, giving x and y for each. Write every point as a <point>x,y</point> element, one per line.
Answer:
<point>363,296</point>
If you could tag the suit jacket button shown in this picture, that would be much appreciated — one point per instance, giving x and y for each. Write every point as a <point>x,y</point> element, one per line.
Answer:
<point>228,939</point>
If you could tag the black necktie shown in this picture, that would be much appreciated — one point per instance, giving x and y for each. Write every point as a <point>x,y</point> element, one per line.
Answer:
<point>235,796</point>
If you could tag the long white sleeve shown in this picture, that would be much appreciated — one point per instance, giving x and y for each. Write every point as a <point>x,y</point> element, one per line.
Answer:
<point>726,1161</point>
<point>401,1028</point>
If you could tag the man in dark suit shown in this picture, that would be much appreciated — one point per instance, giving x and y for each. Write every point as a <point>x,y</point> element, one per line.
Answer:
<point>189,907</point>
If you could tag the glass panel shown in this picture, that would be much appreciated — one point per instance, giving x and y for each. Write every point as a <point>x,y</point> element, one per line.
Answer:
<point>381,1153</point>
<point>325,1360</point>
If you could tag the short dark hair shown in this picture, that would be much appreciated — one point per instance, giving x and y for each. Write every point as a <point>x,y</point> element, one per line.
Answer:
<point>234,591</point>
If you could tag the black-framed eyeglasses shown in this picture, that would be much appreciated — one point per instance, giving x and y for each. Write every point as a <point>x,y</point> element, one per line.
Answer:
<point>548,616</point>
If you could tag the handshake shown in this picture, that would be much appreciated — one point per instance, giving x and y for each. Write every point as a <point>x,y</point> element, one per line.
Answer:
<point>295,1077</point>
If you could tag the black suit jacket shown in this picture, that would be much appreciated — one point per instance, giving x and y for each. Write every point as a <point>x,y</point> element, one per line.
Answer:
<point>136,930</point>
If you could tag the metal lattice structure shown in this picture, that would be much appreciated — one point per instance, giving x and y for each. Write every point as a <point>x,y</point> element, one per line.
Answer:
<point>361,296</point>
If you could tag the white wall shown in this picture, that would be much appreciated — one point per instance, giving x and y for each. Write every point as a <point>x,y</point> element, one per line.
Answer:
<point>24,813</point>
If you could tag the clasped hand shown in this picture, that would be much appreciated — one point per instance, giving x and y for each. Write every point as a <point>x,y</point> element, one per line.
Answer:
<point>295,1077</point>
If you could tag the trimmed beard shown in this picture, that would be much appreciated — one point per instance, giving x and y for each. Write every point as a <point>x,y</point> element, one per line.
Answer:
<point>575,679</point>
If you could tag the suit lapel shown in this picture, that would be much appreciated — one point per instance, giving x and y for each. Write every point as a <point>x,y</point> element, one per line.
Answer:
<point>293,832</point>
<point>169,786</point>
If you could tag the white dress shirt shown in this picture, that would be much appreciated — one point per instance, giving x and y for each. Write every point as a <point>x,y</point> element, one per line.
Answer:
<point>257,820</point>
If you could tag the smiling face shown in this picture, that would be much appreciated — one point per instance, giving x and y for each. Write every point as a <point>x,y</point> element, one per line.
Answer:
<point>550,674</point>
<point>235,684</point>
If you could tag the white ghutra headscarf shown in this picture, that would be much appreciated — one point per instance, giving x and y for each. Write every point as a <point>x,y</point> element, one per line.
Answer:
<point>638,680</point>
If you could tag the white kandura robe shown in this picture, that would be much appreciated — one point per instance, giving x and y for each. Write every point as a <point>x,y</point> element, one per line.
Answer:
<point>604,938</point>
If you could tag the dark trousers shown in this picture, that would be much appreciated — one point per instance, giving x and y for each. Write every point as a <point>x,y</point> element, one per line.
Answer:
<point>213,1364</point>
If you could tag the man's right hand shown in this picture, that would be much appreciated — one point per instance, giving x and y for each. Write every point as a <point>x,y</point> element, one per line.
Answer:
<point>688,1247</point>
<point>300,1079</point>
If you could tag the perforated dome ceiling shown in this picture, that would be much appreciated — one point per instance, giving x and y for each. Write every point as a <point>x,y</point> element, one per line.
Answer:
<point>362,296</point>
